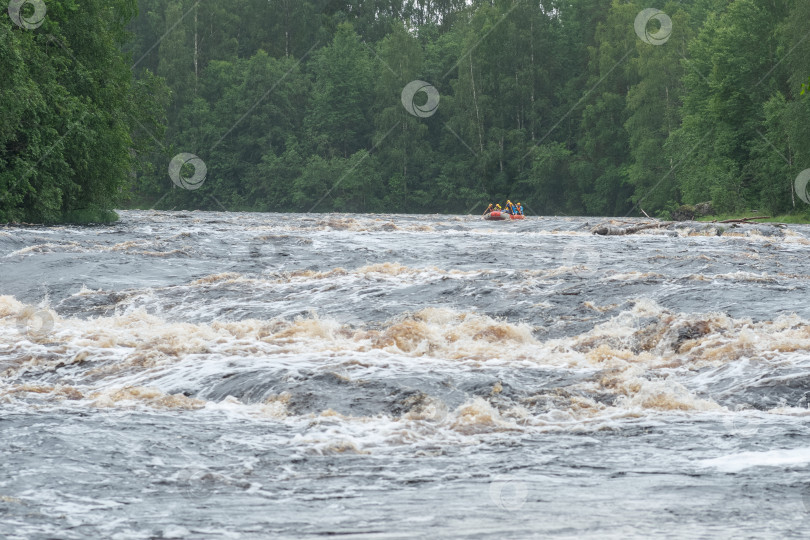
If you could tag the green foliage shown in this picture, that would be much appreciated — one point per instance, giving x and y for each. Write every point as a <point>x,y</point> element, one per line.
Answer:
<point>558,104</point>
<point>295,105</point>
<point>69,105</point>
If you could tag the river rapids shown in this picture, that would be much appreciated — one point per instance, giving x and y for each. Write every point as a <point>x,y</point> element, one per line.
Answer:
<point>226,375</point>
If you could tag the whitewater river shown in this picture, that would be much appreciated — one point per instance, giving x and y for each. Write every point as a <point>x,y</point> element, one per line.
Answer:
<point>223,375</point>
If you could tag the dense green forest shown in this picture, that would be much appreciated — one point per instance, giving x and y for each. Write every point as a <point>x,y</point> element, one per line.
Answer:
<point>596,107</point>
<point>69,109</point>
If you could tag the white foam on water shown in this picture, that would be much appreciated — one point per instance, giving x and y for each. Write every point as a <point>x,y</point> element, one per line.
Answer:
<point>772,458</point>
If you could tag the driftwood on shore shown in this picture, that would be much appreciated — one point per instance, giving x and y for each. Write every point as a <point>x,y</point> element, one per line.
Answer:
<point>742,220</point>
<point>609,229</point>
<point>622,228</point>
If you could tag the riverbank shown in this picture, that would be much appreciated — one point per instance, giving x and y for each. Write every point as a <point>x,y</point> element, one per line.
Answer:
<point>789,218</point>
<point>76,217</point>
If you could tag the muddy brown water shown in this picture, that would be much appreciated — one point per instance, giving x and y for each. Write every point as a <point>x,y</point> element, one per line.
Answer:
<point>223,375</point>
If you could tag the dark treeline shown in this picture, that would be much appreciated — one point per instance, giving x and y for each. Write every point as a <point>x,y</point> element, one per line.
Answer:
<point>565,105</point>
<point>69,106</point>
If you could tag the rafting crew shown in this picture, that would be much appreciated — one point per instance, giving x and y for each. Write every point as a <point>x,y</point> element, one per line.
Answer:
<point>513,209</point>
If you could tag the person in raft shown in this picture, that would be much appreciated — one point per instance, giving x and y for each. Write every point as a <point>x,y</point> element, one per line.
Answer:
<point>519,209</point>
<point>510,208</point>
<point>489,209</point>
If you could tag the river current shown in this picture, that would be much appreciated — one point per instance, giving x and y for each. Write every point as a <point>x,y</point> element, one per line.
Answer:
<point>226,375</point>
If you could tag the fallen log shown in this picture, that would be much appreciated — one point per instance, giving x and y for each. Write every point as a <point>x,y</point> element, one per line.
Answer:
<point>611,230</point>
<point>619,228</point>
<point>742,220</point>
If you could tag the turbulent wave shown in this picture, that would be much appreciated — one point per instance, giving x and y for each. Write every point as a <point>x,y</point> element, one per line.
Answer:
<point>236,373</point>
<point>463,371</point>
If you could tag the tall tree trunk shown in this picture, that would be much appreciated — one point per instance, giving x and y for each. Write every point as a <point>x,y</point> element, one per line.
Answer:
<point>196,52</point>
<point>519,110</point>
<point>790,164</point>
<point>287,28</point>
<point>405,170</point>
<point>531,49</point>
<point>475,101</point>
